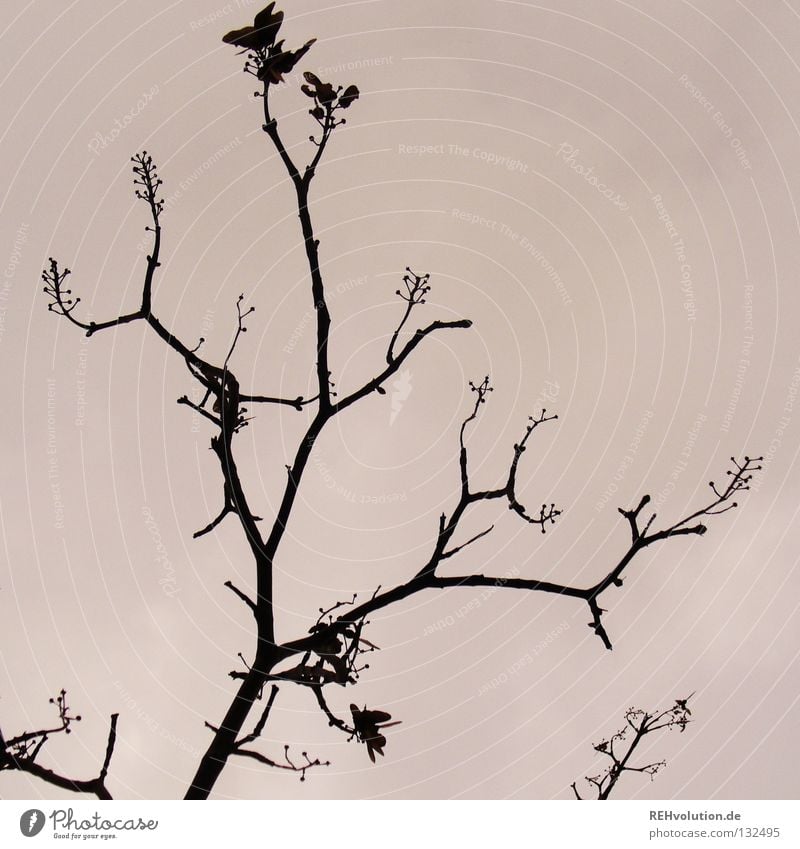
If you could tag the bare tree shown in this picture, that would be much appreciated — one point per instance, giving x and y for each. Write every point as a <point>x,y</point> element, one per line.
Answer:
<point>332,652</point>
<point>621,745</point>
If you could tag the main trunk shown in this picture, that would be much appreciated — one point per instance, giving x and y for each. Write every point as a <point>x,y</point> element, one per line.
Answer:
<point>216,756</point>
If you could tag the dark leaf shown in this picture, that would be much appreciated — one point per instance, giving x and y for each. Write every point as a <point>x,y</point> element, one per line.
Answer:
<point>326,93</point>
<point>280,63</point>
<point>376,716</point>
<point>351,94</point>
<point>261,35</point>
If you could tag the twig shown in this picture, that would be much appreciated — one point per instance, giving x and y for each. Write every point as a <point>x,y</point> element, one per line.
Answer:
<point>20,752</point>
<point>641,724</point>
<point>244,597</point>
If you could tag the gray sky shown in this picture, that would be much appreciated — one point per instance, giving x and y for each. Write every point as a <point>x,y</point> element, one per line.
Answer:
<point>605,188</point>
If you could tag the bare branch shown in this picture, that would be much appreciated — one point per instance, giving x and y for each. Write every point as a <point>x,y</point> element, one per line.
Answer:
<point>20,753</point>
<point>333,720</point>
<point>641,724</point>
<point>633,515</point>
<point>245,598</point>
<point>740,478</point>
<point>596,624</point>
<point>377,382</point>
<point>417,287</point>
<point>289,765</point>
<point>227,508</point>
<point>148,183</point>
<point>198,409</point>
<point>240,328</point>
<point>259,726</point>
<point>481,390</point>
<point>297,403</point>
<point>463,545</point>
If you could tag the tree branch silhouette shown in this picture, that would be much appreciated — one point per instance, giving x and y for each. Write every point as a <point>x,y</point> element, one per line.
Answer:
<point>331,653</point>
<point>620,746</point>
<point>21,752</point>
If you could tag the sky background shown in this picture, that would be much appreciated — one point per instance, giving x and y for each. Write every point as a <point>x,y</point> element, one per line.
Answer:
<point>654,308</point>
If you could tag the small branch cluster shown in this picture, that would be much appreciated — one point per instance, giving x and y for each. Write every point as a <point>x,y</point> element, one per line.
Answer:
<point>619,747</point>
<point>547,514</point>
<point>740,477</point>
<point>641,537</point>
<point>21,752</point>
<point>61,300</point>
<point>148,181</point>
<point>335,647</point>
<point>287,763</point>
<point>147,184</point>
<point>266,59</point>
<point>417,287</point>
<point>327,101</point>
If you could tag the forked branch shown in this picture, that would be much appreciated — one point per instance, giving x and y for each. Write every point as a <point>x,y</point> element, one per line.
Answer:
<point>619,748</point>
<point>21,753</point>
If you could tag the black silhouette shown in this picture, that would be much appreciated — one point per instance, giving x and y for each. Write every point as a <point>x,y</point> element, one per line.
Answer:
<point>22,753</point>
<point>367,725</point>
<point>261,36</point>
<point>331,652</point>
<point>619,748</point>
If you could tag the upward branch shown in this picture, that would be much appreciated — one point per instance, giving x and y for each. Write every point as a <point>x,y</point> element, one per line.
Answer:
<point>427,579</point>
<point>619,748</point>
<point>21,752</point>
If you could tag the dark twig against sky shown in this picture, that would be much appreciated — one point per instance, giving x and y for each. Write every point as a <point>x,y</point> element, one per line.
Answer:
<point>618,750</point>
<point>333,652</point>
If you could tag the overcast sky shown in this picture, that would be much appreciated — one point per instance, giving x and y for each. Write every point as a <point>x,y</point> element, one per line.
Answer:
<point>605,188</point>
